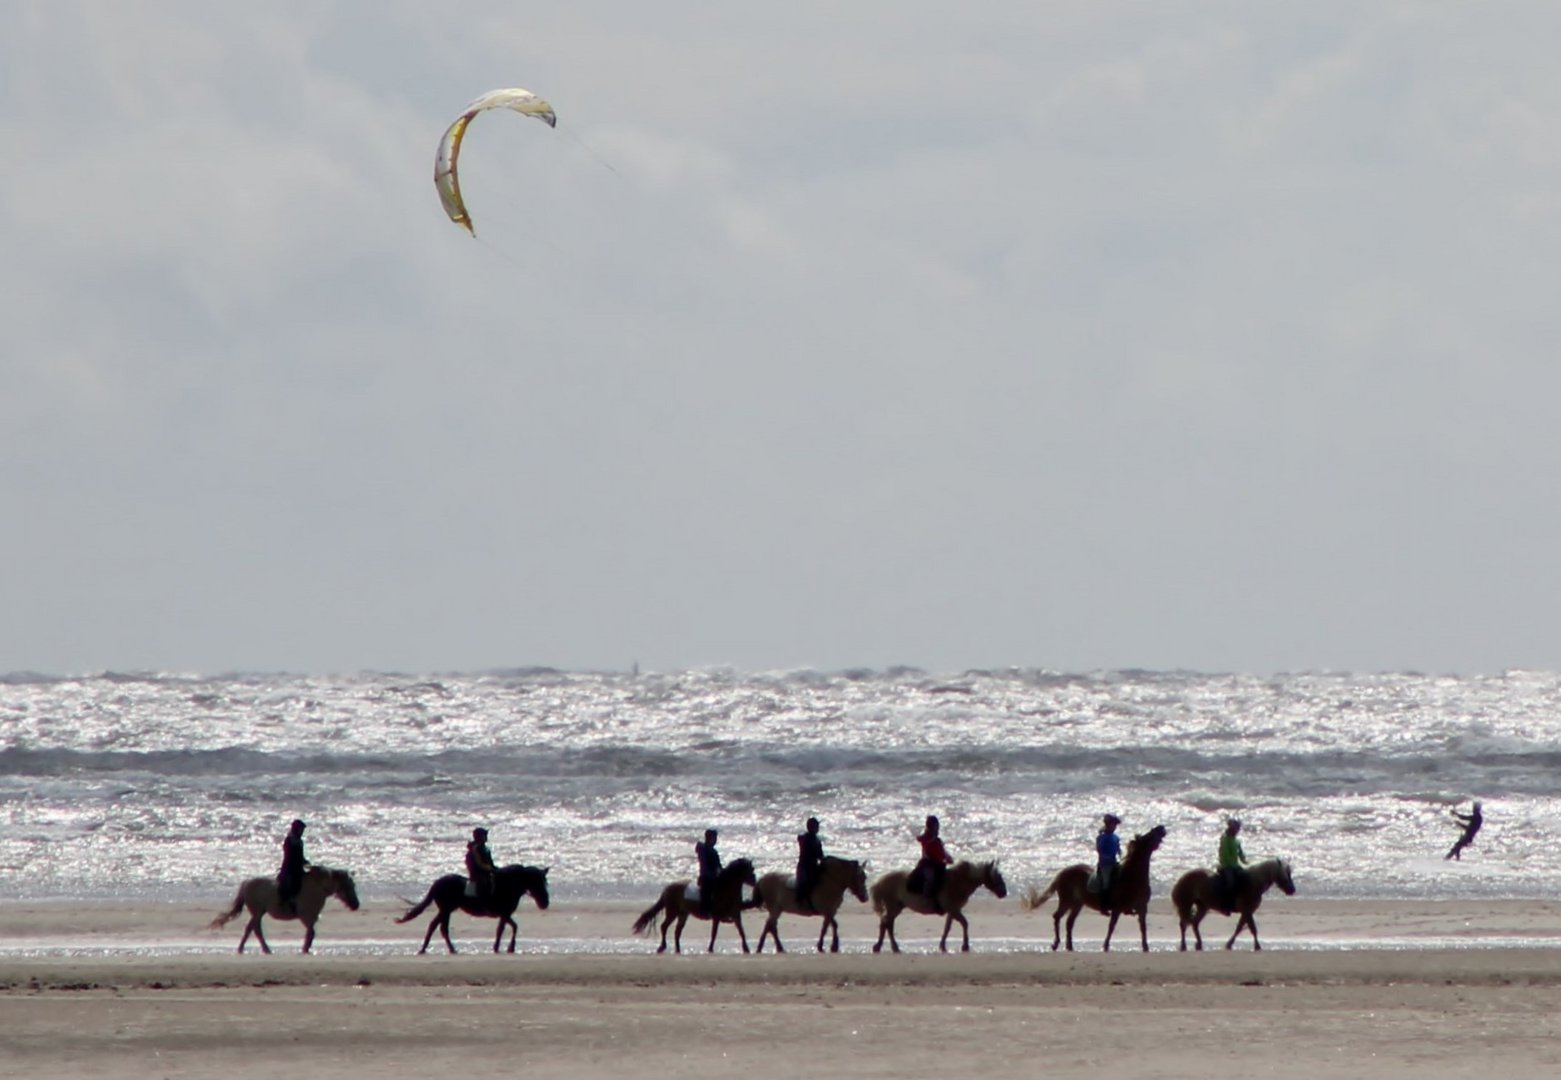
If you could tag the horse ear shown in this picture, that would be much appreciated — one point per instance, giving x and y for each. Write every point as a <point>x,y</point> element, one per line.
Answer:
<point>545,869</point>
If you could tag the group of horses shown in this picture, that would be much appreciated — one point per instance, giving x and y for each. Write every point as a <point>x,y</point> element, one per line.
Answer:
<point>1194,896</point>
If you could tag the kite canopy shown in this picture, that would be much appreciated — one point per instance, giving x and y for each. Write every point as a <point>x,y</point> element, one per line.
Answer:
<point>445,179</point>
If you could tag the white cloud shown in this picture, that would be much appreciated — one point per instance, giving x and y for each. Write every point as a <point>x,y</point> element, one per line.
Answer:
<point>1195,334</point>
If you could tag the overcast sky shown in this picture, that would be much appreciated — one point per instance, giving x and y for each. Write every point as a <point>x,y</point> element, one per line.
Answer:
<point>1067,335</point>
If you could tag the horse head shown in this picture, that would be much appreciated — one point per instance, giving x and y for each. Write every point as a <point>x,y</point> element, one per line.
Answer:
<point>993,879</point>
<point>342,885</point>
<point>739,871</point>
<point>1145,844</point>
<point>858,884</point>
<point>537,886</point>
<point>1283,879</point>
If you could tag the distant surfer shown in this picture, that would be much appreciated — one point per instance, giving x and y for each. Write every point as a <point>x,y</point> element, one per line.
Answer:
<point>1471,823</point>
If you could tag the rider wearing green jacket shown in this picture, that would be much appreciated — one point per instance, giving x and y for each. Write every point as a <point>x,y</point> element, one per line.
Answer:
<point>1232,861</point>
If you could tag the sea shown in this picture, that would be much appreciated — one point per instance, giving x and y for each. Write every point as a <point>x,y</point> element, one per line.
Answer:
<point>158,786</point>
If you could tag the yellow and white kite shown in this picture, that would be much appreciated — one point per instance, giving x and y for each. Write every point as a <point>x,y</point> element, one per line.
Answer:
<point>445,179</point>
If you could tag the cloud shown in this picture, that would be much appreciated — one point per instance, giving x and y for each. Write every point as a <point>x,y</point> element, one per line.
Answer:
<point>1194,335</point>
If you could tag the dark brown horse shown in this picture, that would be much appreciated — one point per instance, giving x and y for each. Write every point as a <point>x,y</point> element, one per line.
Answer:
<point>1128,894</point>
<point>450,893</point>
<point>262,897</point>
<point>891,896</point>
<point>726,904</point>
<point>777,893</point>
<point>1194,898</point>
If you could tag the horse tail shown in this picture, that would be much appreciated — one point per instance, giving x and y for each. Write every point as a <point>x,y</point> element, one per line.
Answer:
<point>642,924</point>
<point>232,913</point>
<point>418,908</point>
<point>1032,899</point>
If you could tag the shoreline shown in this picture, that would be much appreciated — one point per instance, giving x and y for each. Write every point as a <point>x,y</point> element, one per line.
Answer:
<point>1294,1011</point>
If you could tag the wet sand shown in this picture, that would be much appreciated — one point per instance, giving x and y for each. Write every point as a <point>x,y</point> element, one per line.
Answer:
<point>1342,989</point>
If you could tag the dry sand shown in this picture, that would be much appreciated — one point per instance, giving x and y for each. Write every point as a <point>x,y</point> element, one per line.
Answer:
<point>1341,990</point>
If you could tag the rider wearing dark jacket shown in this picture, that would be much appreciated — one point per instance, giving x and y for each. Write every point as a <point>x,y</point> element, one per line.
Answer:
<point>709,867</point>
<point>290,878</point>
<point>810,856</point>
<point>479,863</point>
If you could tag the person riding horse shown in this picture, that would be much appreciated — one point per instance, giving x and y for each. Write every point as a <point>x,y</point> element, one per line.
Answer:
<point>1232,864</point>
<point>709,869</point>
<point>928,876</point>
<point>810,856</point>
<point>479,864</point>
<point>290,878</point>
<point>1108,852</point>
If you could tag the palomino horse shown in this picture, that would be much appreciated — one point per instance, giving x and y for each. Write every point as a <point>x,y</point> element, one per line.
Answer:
<point>778,893</point>
<point>890,897</point>
<point>1193,896</point>
<point>726,904</point>
<point>1128,894</point>
<point>510,883</point>
<point>260,896</point>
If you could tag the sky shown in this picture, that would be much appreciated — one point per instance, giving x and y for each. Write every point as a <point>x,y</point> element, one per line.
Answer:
<point>1211,336</point>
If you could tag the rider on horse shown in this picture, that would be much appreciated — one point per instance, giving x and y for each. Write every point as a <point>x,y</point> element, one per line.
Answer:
<point>479,864</point>
<point>290,878</point>
<point>709,868</point>
<point>810,856</point>
<point>933,867</point>
<point>1231,862</point>
<point>1108,850</point>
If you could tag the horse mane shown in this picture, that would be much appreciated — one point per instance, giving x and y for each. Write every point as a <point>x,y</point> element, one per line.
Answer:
<point>736,868</point>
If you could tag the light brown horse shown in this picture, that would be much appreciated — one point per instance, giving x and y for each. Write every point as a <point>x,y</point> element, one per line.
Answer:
<point>777,893</point>
<point>1128,894</point>
<point>726,904</point>
<point>1193,896</point>
<point>890,897</point>
<point>261,897</point>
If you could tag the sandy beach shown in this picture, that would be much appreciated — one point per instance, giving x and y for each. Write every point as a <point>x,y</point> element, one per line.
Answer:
<point>1341,989</point>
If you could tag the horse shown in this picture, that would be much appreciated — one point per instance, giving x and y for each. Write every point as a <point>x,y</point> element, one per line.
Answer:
<point>778,893</point>
<point>1193,896</point>
<point>891,896</point>
<point>726,904</point>
<point>1128,894</point>
<point>262,897</point>
<point>510,884</point>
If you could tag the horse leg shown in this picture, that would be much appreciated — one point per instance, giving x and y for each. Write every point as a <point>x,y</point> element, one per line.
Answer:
<point>715,928</point>
<point>834,930</point>
<point>1143,927</point>
<point>514,928</point>
<point>742,935</point>
<point>432,923</point>
<point>1198,912</point>
<point>249,928</point>
<point>1111,928</point>
<point>444,928</point>
<point>498,935</point>
<point>964,925</point>
<point>308,936</point>
<point>822,930</point>
<point>1073,917</point>
<point>774,924</point>
<point>1237,932</point>
<point>254,924</point>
